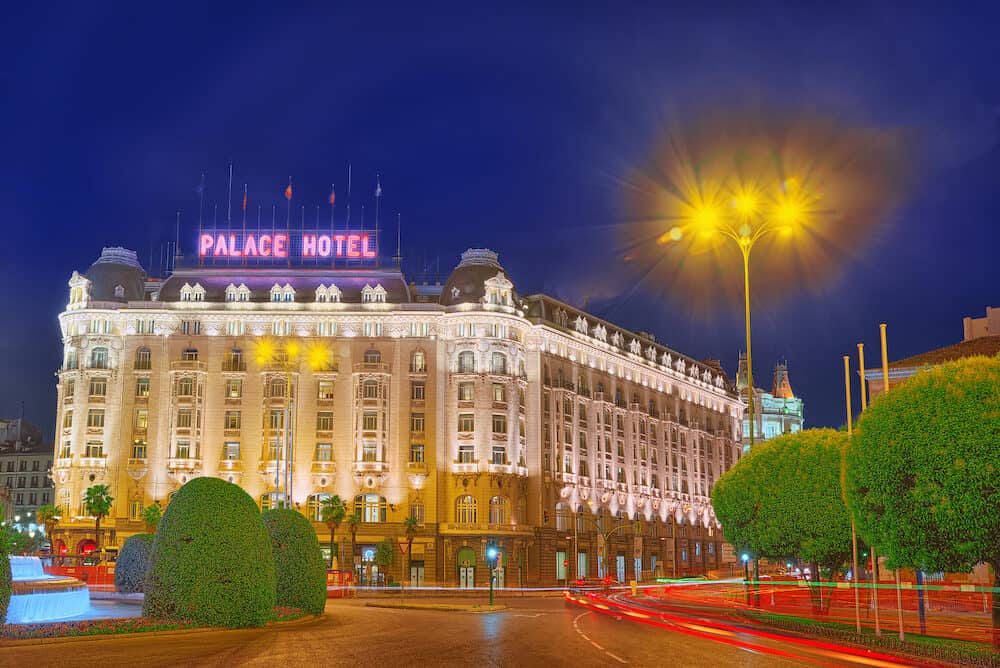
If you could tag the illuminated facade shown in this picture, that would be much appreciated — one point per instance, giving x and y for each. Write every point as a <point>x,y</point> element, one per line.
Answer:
<point>774,413</point>
<point>488,416</point>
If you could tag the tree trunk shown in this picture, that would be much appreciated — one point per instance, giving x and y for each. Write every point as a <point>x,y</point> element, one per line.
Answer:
<point>97,534</point>
<point>995,594</point>
<point>333,546</point>
<point>816,588</point>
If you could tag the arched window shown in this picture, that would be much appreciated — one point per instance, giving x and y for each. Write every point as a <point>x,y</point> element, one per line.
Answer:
<point>99,358</point>
<point>466,509</point>
<point>563,515</point>
<point>499,510</point>
<point>370,508</point>
<point>190,355</point>
<point>498,364</point>
<point>315,506</point>
<point>143,359</point>
<point>466,362</point>
<point>372,356</point>
<point>233,360</point>
<point>277,387</point>
<point>418,362</point>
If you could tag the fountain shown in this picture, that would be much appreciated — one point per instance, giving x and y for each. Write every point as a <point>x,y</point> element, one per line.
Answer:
<point>39,597</point>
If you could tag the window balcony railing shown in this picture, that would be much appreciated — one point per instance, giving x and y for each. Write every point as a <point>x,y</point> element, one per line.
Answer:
<point>234,366</point>
<point>370,467</point>
<point>183,463</point>
<point>188,365</point>
<point>371,367</point>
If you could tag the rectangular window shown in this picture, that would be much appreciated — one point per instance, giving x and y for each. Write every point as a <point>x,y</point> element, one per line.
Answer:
<point>500,393</point>
<point>143,326</point>
<point>466,454</point>
<point>135,509</point>
<point>95,418</point>
<point>417,390</point>
<point>234,388</point>
<point>184,418</point>
<point>325,389</point>
<point>69,389</point>
<point>98,387</point>
<point>416,453</point>
<point>141,419</point>
<point>183,450</point>
<point>185,387</point>
<point>231,451</point>
<point>67,419</point>
<point>372,328</point>
<point>466,391</point>
<point>499,455</point>
<point>94,449</point>
<point>324,452</point>
<point>499,425</point>
<point>370,421</point>
<point>417,512</point>
<point>277,420</point>
<point>138,449</point>
<point>416,422</point>
<point>142,387</point>
<point>66,452</point>
<point>324,421</point>
<point>369,453</point>
<point>191,327</point>
<point>466,422</point>
<point>369,390</point>
<point>232,420</point>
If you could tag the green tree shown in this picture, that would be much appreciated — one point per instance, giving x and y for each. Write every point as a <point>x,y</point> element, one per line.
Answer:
<point>49,515</point>
<point>151,516</point>
<point>97,502</point>
<point>784,500</point>
<point>922,471</point>
<point>6,547</point>
<point>384,556</point>
<point>332,512</point>
<point>353,521</point>
<point>410,526</point>
<point>212,559</point>
<point>298,562</point>
<point>132,564</point>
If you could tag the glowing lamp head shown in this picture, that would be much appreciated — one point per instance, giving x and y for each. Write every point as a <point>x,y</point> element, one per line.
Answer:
<point>491,553</point>
<point>745,203</point>
<point>705,218</point>
<point>745,558</point>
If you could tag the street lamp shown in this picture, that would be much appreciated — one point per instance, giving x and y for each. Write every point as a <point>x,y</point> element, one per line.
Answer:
<point>745,214</point>
<point>746,574</point>
<point>491,558</point>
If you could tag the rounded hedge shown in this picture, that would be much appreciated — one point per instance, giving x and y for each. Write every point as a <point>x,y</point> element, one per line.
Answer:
<point>211,561</point>
<point>132,562</point>
<point>298,562</point>
<point>4,585</point>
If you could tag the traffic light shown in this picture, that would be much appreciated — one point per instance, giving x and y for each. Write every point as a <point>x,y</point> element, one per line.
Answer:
<point>565,563</point>
<point>491,554</point>
<point>545,517</point>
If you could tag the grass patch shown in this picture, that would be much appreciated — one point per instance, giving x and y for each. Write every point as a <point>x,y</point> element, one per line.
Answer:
<point>943,649</point>
<point>118,626</point>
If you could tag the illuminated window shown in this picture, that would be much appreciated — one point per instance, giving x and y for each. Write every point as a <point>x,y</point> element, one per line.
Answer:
<point>416,453</point>
<point>369,421</point>
<point>71,361</point>
<point>324,421</point>
<point>372,356</point>
<point>234,388</point>
<point>499,510</point>
<point>277,387</point>
<point>466,422</point>
<point>369,389</point>
<point>325,389</point>
<point>419,329</point>
<point>138,449</point>
<point>185,387</point>
<point>94,449</point>
<point>370,295</point>
<point>232,420</point>
<point>141,419</point>
<point>231,450</point>
<point>67,421</point>
<point>233,360</point>
<point>369,451</point>
<point>315,505</point>
<point>563,516</point>
<point>418,362</point>
<point>142,387</point>
<point>499,455</point>
<point>370,508</point>
<point>236,328</point>
<point>499,393</point>
<point>324,452</point>
<point>98,387</point>
<point>372,328</point>
<point>417,389</point>
<point>499,425</point>
<point>183,450</point>
<point>466,391</point>
<point>498,363</point>
<point>65,452</point>
<point>99,358</point>
<point>466,454</point>
<point>277,420</point>
<point>95,418</point>
<point>184,418</point>
<point>466,509</point>
<point>466,362</point>
<point>272,500</point>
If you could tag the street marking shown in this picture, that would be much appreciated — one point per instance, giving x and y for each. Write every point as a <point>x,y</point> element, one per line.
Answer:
<point>583,635</point>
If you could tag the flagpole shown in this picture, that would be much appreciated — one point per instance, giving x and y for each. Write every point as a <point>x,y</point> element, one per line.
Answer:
<point>378,200</point>
<point>201,202</point>
<point>229,197</point>
<point>288,216</point>
<point>244,239</point>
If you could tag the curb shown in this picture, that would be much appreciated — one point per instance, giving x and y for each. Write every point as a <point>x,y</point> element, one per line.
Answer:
<point>435,607</point>
<point>27,642</point>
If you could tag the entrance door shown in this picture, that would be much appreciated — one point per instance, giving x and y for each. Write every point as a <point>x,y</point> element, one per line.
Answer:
<point>416,574</point>
<point>499,578</point>
<point>620,562</point>
<point>466,568</point>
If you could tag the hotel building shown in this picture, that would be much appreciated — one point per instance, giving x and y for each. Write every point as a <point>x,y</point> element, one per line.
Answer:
<point>491,417</point>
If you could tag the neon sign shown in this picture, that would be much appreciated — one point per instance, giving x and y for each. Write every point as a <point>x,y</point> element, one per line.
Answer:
<point>284,245</point>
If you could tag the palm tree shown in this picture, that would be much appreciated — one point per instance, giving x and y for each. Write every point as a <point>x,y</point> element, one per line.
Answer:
<point>49,515</point>
<point>97,502</point>
<point>353,520</point>
<point>410,525</point>
<point>332,512</point>
<point>151,516</point>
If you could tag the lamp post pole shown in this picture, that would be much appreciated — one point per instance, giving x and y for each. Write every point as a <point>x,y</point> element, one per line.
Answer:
<point>746,244</point>
<point>864,406</point>
<point>854,533</point>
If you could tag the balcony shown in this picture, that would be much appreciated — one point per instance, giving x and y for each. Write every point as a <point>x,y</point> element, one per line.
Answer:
<point>418,368</point>
<point>183,464</point>
<point>94,462</point>
<point>370,467</point>
<point>234,366</point>
<point>324,466</point>
<point>188,365</point>
<point>416,467</point>
<point>371,367</point>
<point>460,466</point>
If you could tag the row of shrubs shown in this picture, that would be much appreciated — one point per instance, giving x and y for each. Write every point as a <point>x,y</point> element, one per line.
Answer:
<point>217,560</point>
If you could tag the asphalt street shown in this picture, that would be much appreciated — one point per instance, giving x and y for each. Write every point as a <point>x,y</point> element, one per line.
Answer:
<point>531,632</point>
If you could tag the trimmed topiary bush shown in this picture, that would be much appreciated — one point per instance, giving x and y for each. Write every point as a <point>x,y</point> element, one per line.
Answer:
<point>4,585</point>
<point>133,560</point>
<point>211,561</point>
<point>298,562</point>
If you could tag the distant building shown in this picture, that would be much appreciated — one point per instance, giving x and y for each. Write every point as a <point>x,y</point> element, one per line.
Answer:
<point>774,413</point>
<point>24,471</point>
<point>902,369</point>
<point>977,328</point>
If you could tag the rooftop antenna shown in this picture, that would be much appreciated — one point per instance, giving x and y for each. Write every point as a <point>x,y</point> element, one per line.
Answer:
<point>378,199</point>
<point>288,214</point>
<point>229,197</point>
<point>399,236</point>
<point>215,215</point>
<point>149,267</point>
<point>177,238</point>
<point>317,216</point>
<point>201,205</point>
<point>348,194</point>
<point>244,220</point>
<point>161,260</point>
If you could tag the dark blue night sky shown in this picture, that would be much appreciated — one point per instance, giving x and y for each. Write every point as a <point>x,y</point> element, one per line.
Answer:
<point>511,128</point>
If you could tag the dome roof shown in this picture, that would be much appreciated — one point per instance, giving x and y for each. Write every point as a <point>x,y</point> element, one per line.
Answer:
<point>117,267</point>
<point>467,283</point>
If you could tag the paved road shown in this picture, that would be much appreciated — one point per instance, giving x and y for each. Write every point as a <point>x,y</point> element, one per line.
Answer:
<point>532,632</point>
